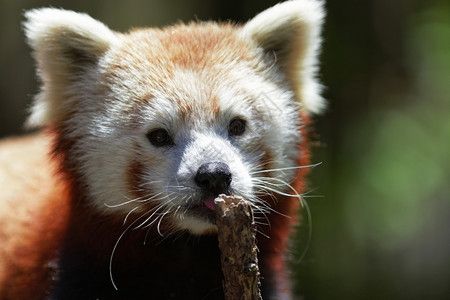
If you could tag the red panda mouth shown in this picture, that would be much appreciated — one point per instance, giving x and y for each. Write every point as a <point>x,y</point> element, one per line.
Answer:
<point>209,203</point>
<point>204,209</point>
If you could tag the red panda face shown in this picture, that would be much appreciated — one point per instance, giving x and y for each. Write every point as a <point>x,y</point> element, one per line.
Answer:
<point>166,142</point>
<point>160,122</point>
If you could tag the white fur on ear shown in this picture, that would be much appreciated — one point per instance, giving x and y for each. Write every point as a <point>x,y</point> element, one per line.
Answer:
<point>291,31</point>
<point>65,44</point>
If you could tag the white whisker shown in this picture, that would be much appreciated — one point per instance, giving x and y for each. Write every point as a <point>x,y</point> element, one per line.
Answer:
<point>114,251</point>
<point>128,214</point>
<point>308,241</point>
<point>159,224</point>
<point>286,168</point>
<point>263,234</point>
<point>153,211</point>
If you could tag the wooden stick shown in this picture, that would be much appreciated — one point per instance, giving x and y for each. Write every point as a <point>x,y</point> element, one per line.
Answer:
<point>236,234</point>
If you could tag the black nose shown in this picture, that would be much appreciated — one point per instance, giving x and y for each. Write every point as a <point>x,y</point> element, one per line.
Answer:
<point>214,177</point>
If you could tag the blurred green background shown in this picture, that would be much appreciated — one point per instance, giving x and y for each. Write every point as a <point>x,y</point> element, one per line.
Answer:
<point>380,200</point>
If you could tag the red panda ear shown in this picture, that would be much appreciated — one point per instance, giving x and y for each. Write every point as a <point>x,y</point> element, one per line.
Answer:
<point>65,44</point>
<point>290,32</point>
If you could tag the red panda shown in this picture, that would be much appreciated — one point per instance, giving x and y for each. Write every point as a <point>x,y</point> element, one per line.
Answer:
<point>141,131</point>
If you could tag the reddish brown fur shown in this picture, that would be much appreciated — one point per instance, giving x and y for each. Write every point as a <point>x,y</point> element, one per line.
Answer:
<point>282,223</point>
<point>33,217</point>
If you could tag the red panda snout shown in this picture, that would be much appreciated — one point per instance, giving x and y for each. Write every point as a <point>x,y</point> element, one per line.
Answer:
<point>209,165</point>
<point>214,178</point>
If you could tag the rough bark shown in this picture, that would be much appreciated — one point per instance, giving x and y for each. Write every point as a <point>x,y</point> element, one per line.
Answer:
<point>236,234</point>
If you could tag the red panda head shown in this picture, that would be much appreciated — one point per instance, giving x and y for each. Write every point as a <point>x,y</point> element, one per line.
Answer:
<point>161,121</point>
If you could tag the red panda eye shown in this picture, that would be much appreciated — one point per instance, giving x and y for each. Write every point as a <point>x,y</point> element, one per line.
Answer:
<point>159,138</point>
<point>236,127</point>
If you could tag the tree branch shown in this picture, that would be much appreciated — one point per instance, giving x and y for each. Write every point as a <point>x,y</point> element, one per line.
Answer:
<point>237,243</point>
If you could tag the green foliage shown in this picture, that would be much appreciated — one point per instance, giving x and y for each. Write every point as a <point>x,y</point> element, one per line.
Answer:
<point>381,232</point>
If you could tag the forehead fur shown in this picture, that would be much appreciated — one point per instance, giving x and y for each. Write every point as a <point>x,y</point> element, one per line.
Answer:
<point>196,46</point>
<point>193,65</point>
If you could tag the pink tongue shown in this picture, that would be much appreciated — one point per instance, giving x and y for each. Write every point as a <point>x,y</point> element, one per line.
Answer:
<point>209,202</point>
